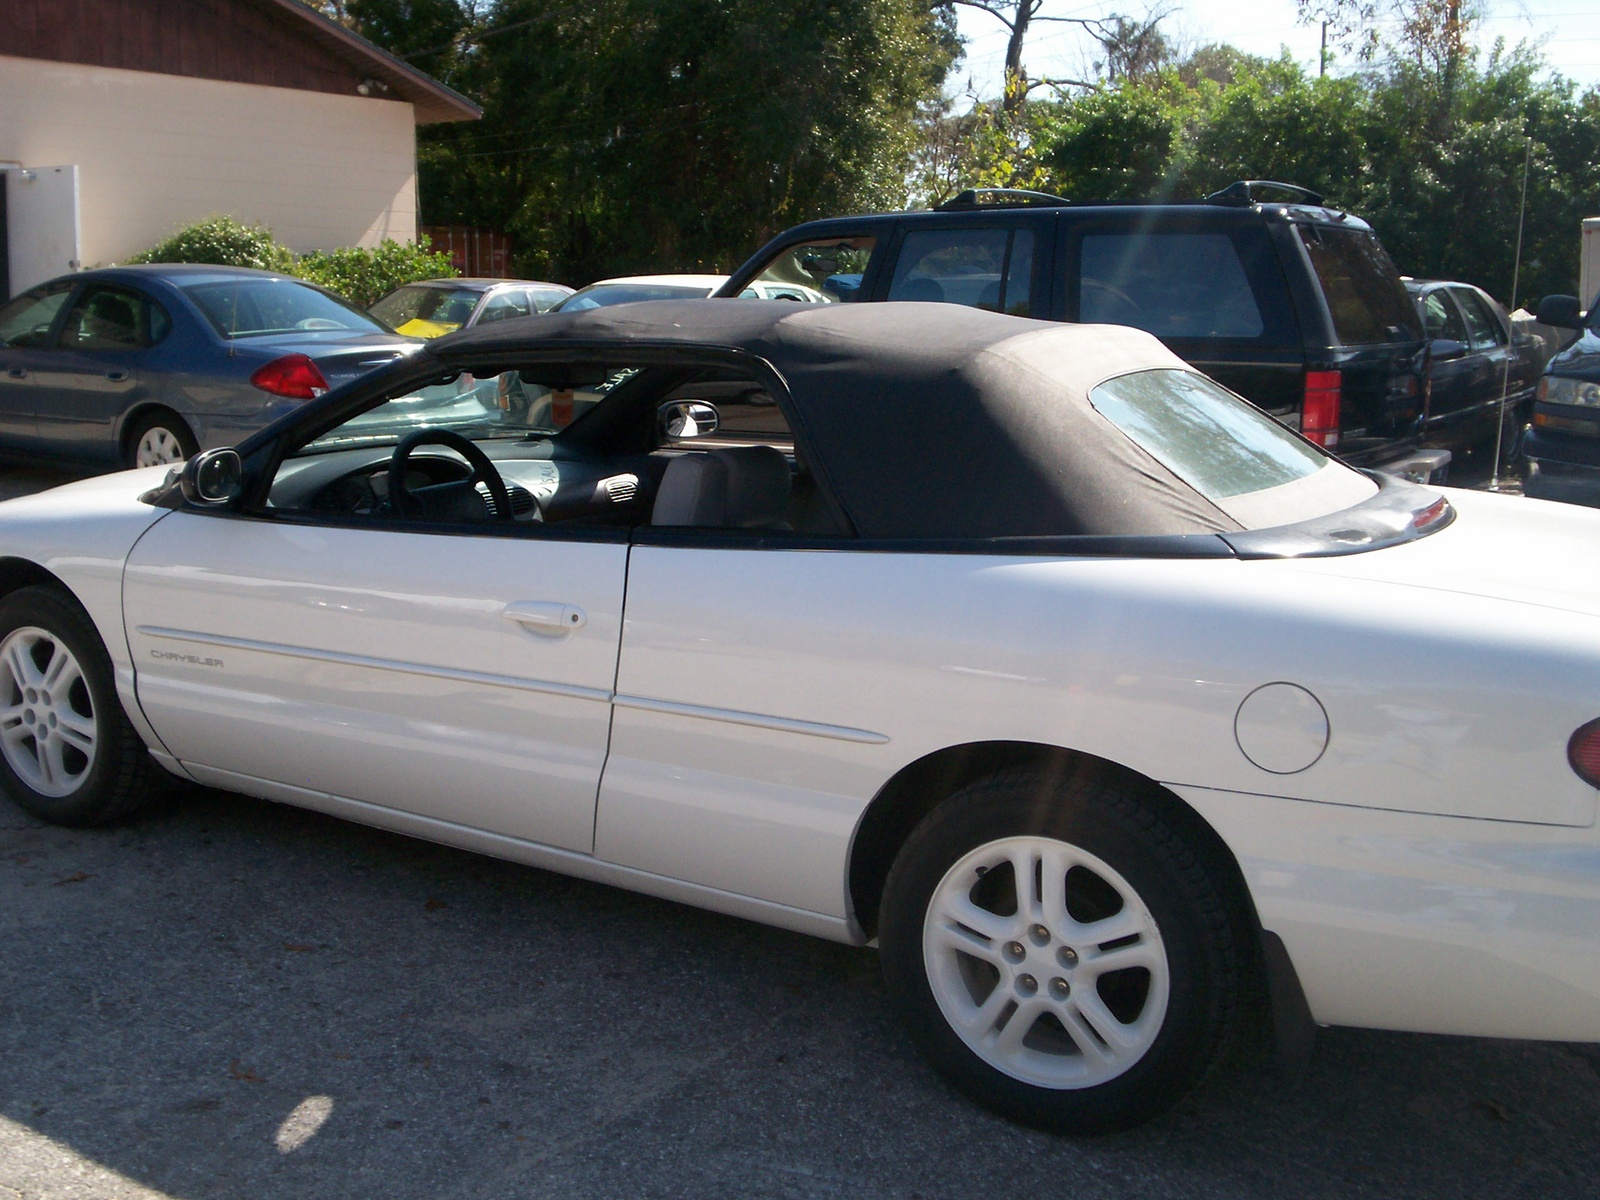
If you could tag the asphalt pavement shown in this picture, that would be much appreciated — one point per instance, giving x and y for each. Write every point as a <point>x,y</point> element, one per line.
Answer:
<point>227,998</point>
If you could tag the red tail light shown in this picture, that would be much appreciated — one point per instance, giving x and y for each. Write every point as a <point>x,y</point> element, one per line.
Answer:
<point>293,375</point>
<point>1319,415</point>
<point>1583,752</point>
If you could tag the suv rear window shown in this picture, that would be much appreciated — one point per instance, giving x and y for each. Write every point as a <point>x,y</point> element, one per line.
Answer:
<point>1174,285</point>
<point>1368,302</point>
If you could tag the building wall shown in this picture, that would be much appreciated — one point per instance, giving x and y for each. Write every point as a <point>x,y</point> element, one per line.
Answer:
<point>156,152</point>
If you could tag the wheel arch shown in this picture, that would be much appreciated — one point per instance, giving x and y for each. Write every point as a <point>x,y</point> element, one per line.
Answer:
<point>17,573</point>
<point>1274,994</point>
<point>135,416</point>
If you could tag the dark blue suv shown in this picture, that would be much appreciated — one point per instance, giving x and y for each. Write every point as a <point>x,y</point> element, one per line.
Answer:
<point>1293,305</point>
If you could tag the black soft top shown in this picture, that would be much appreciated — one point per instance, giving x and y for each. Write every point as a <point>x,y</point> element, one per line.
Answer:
<point>929,420</point>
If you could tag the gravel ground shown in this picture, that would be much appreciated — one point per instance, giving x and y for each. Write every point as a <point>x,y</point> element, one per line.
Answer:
<point>230,998</point>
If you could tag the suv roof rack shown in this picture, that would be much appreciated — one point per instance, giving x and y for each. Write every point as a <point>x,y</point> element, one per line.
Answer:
<point>1243,193</point>
<point>1002,198</point>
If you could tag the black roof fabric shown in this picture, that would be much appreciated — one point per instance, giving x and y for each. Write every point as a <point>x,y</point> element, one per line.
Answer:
<point>929,420</point>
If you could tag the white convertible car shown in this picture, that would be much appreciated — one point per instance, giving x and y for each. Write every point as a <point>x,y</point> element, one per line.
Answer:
<point>1111,709</point>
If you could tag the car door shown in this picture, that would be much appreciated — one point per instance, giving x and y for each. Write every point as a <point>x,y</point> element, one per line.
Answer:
<point>1490,346</point>
<point>1455,366</point>
<point>28,327</point>
<point>461,674</point>
<point>93,373</point>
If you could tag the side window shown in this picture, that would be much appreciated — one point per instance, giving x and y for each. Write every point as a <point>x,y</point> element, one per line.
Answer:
<point>513,303</point>
<point>1440,316</point>
<point>25,322</point>
<point>746,415</point>
<point>828,269</point>
<point>105,318</point>
<point>981,268</point>
<point>1174,285</point>
<point>1487,331</point>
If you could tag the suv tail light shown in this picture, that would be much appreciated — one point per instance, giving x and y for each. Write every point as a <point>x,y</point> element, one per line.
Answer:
<point>1319,414</point>
<point>1583,752</point>
<point>293,375</point>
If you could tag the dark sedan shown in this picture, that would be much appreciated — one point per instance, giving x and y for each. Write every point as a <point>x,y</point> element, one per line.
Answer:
<point>138,366</point>
<point>1480,366</point>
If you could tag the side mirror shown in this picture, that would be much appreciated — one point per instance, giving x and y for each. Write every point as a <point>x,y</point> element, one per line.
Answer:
<point>1445,349</point>
<point>1564,312</point>
<point>213,478</point>
<point>678,419</point>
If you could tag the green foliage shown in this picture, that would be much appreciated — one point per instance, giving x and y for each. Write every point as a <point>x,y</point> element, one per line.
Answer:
<point>625,136</point>
<point>223,242</point>
<point>1115,145</point>
<point>365,276</point>
<point>361,276</point>
<point>1433,160</point>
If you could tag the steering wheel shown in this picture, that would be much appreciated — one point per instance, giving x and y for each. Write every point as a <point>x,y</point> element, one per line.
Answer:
<point>458,500</point>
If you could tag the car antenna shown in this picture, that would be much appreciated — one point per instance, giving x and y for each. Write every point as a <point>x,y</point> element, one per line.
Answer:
<point>1505,371</point>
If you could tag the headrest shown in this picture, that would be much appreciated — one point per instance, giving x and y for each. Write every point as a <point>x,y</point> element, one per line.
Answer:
<point>743,488</point>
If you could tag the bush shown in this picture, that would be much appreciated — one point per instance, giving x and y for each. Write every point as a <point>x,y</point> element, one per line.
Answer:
<point>363,276</point>
<point>222,242</point>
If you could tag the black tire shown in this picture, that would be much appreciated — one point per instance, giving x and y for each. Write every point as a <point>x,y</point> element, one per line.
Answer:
<point>119,777</point>
<point>160,422</point>
<point>1180,1027</point>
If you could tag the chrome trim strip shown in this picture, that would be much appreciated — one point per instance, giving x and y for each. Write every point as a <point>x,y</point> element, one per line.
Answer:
<point>841,733</point>
<point>381,664</point>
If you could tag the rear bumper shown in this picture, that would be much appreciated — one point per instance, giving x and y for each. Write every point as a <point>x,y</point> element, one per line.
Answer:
<point>1420,466</point>
<point>1561,467</point>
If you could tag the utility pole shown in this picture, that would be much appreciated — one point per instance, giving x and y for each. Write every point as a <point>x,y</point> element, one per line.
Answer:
<point>1322,61</point>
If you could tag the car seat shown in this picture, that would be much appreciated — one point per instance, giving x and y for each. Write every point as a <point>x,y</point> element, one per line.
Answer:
<point>735,488</point>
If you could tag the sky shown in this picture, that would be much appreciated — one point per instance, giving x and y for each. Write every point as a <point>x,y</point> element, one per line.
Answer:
<point>1570,29</point>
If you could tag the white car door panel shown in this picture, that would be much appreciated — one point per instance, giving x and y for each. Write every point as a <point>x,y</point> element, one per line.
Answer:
<point>764,697</point>
<point>466,678</point>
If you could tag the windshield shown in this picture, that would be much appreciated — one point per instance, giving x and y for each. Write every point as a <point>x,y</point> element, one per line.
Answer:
<point>1365,297</point>
<point>426,311</point>
<point>240,308</point>
<point>598,295</point>
<point>1229,451</point>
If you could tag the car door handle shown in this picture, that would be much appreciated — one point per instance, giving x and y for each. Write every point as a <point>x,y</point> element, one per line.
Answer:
<point>546,616</point>
<point>116,376</point>
<point>17,372</point>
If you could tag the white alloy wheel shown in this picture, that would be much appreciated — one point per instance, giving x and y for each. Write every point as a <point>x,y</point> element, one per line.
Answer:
<point>157,447</point>
<point>48,728</point>
<point>1045,962</point>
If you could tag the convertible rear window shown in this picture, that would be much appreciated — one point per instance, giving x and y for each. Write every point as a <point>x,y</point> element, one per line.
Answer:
<point>1229,451</point>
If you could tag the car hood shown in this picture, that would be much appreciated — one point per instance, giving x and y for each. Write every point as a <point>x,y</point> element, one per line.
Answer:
<point>1581,360</point>
<point>1500,547</point>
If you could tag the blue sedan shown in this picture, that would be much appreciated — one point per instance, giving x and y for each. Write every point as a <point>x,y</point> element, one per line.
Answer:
<point>136,366</point>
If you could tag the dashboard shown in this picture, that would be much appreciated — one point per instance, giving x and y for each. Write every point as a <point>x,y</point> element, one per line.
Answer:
<point>543,487</point>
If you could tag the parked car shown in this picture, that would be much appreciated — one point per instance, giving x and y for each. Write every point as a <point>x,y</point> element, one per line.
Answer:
<point>435,307</point>
<point>1102,701</point>
<point>140,366</point>
<point>763,289</point>
<point>1294,306</point>
<point>629,289</point>
<point>1480,369</point>
<point>1562,445</point>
